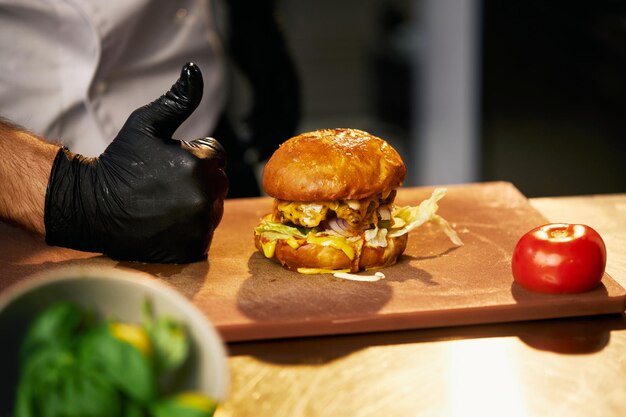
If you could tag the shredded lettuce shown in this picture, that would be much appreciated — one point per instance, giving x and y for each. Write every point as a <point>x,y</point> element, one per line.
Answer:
<point>274,230</point>
<point>408,218</point>
<point>405,219</point>
<point>376,237</point>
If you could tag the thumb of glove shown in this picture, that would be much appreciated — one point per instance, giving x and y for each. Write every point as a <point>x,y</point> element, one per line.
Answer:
<point>206,148</point>
<point>164,115</point>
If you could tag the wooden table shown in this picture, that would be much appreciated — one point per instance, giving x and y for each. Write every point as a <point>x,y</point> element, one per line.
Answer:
<point>560,367</point>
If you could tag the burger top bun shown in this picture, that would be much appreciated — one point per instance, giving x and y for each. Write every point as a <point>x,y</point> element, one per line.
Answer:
<point>333,164</point>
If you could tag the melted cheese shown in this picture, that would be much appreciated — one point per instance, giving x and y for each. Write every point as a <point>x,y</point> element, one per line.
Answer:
<point>303,214</point>
<point>293,242</point>
<point>311,214</point>
<point>335,242</point>
<point>269,248</point>
<point>320,271</point>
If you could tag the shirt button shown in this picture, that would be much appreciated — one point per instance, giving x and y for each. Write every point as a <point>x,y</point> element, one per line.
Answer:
<point>181,15</point>
<point>100,87</point>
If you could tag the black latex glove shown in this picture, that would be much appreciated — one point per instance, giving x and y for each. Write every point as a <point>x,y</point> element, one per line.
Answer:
<point>147,197</point>
<point>258,48</point>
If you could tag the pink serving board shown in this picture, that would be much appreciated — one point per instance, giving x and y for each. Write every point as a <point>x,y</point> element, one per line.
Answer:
<point>435,284</point>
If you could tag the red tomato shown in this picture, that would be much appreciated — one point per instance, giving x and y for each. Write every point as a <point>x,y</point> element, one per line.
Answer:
<point>559,258</point>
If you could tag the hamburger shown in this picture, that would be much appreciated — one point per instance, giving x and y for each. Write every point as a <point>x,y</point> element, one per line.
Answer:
<point>333,210</point>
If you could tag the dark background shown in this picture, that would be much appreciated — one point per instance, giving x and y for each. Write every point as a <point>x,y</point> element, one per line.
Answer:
<point>554,95</point>
<point>552,84</point>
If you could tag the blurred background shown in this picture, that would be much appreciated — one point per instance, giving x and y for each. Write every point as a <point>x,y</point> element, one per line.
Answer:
<point>527,91</point>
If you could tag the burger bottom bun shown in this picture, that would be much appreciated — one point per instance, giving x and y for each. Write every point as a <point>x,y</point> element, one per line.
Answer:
<point>311,255</point>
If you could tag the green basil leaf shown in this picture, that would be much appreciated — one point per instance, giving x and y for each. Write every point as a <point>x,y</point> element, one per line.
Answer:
<point>122,363</point>
<point>55,384</point>
<point>57,325</point>
<point>169,338</point>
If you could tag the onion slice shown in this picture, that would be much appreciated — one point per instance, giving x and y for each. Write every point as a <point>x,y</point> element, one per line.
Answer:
<point>339,225</point>
<point>384,212</point>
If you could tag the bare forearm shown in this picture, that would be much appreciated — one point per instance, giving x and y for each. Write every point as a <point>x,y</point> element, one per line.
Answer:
<point>25,164</point>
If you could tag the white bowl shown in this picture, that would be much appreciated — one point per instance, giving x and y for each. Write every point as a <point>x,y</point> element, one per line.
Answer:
<point>111,293</point>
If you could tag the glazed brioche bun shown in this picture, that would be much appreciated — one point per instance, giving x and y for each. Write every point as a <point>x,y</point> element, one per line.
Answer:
<point>333,164</point>
<point>327,258</point>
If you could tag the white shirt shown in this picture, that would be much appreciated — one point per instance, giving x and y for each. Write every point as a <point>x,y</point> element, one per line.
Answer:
<point>73,70</point>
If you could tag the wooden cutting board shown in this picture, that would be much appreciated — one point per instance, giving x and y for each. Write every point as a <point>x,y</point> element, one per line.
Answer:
<point>434,284</point>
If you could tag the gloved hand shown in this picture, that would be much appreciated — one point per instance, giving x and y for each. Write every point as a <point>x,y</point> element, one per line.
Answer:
<point>147,197</point>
